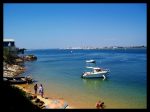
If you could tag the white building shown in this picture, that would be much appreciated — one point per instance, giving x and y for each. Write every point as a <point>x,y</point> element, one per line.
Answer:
<point>10,45</point>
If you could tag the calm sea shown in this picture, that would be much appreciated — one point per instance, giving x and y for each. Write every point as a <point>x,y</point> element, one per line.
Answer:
<point>59,71</point>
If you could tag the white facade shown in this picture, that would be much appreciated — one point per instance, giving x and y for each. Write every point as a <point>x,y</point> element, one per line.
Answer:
<point>8,40</point>
<point>10,45</point>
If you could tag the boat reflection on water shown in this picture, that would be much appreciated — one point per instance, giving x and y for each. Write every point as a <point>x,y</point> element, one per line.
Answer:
<point>94,82</point>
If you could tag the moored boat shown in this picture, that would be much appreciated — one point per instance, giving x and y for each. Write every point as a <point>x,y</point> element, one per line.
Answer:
<point>90,61</point>
<point>17,80</point>
<point>96,72</point>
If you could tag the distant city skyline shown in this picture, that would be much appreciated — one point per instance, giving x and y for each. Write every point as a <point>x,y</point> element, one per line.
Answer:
<point>42,26</point>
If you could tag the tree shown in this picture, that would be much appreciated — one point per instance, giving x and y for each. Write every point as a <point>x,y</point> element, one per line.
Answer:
<point>7,56</point>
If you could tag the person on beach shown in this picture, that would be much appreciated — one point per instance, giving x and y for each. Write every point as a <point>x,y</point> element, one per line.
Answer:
<point>41,90</point>
<point>35,88</point>
<point>100,105</point>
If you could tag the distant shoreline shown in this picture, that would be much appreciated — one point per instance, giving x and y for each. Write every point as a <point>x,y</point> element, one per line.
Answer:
<point>109,47</point>
<point>105,48</point>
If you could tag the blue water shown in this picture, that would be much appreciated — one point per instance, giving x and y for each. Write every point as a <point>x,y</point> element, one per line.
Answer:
<point>60,70</point>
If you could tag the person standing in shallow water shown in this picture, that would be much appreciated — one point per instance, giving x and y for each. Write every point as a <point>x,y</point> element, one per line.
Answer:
<point>100,105</point>
<point>41,90</point>
<point>35,88</point>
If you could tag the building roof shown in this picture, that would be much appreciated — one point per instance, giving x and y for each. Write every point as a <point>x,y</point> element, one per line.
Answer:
<point>8,40</point>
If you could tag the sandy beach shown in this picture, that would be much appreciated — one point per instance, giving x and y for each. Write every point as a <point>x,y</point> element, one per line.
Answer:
<point>49,103</point>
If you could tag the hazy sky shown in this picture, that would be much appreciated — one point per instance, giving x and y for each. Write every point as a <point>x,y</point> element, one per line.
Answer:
<point>39,25</point>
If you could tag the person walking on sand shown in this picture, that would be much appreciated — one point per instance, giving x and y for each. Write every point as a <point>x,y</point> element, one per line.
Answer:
<point>35,88</point>
<point>41,90</point>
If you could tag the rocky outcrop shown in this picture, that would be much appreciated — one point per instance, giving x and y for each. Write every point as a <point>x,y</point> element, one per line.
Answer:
<point>19,60</point>
<point>30,58</point>
<point>12,70</point>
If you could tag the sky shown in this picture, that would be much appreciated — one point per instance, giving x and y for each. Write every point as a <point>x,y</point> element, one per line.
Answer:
<point>42,26</point>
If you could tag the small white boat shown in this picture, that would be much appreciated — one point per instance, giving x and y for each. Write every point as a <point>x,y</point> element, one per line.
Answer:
<point>95,73</point>
<point>90,61</point>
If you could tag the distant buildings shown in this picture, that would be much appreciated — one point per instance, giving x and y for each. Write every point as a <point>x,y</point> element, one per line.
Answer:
<point>108,47</point>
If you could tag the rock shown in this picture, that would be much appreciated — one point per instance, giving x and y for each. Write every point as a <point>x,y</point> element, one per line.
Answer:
<point>30,58</point>
<point>40,104</point>
<point>34,96</point>
<point>46,97</point>
<point>37,100</point>
<point>12,70</point>
<point>43,107</point>
<point>30,97</point>
<point>19,60</point>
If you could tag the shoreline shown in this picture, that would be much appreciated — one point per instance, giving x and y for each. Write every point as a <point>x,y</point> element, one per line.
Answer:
<point>47,100</point>
<point>14,70</point>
